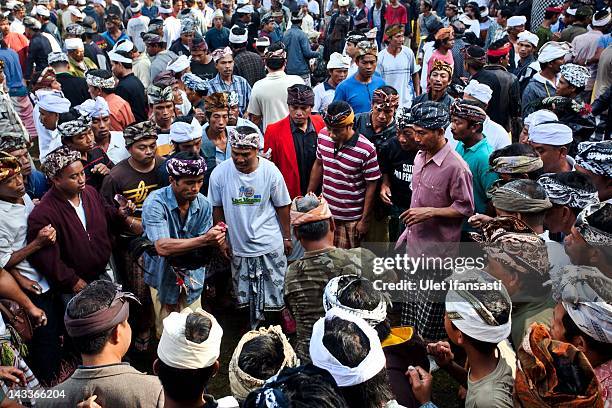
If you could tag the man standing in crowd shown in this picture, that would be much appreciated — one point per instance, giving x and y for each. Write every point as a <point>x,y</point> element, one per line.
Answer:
<point>298,47</point>
<point>350,194</point>
<point>551,141</point>
<point>102,83</point>
<point>248,192</point>
<point>397,66</point>
<point>79,63</point>
<point>337,68</point>
<point>226,81</point>
<point>357,90</point>
<point>247,64</point>
<point>268,102</point>
<point>439,79</point>
<point>178,220</point>
<point>129,87</point>
<point>202,63</point>
<point>74,88</point>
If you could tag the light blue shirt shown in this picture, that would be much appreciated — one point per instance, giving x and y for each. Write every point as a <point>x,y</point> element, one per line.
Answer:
<point>161,219</point>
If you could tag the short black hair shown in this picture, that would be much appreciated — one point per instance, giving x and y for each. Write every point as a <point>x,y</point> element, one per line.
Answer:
<point>506,12</point>
<point>496,45</point>
<point>548,15</point>
<point>517,149</point>
<point>311,231</point>
<point>602,220</point>
<point>572,331</point>
<point>350,346</point>
<point>262,356</point>
<point>98,295</point>
<point>188,384</point>
<point>336,107</point>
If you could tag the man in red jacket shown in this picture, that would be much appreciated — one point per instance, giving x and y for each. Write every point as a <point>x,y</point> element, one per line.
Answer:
<point>82,222</point>
<point>293,140</point>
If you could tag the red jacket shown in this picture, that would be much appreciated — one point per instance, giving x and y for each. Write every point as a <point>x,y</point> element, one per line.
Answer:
<point>278,137</point>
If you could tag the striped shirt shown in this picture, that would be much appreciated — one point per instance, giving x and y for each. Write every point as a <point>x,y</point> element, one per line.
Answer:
<point>345,173</point>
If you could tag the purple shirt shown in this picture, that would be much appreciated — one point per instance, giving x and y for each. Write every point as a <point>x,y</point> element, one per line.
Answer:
<point>442,181</point>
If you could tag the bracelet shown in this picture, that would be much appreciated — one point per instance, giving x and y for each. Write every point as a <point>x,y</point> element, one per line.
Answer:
<point>132,223</point>
<point>286,239</point>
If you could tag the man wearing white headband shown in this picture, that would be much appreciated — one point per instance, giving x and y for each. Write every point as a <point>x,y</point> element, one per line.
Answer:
<point>496,136</point>
<point>583,318</point>
<point>551,140</point>
<point>79,63</point>
<point>527,65</point>
<point>129,87</point>
<point>101,82</point>
<point>137,25</point>
<point>580,20</point>
<point>544,83</point>
<point>347,347</point>
<point>46,114</point>
<point>247,64</point>
<point>479,322</point>
<point>337,67</point>
<point>188,354</point>
<point>218,35</point>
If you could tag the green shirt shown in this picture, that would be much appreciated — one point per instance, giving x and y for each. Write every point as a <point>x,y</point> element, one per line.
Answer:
<point>544,35</point>
<point>477,158</point>
<point>524,314</point>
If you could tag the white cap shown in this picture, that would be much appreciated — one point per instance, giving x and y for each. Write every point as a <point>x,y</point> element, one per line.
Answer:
<point>125,45</point>
<point>41,11</point>
<point>218,13</point>
<point>116,57</point>
<point>136,7</point>
<point>238,39</point>
<point>601,22</point>
<point>343,3</point>
<point>74,10</point>
<point>180,64</point>
<point>571,11</point>
<point>540,116</point>
<point>527,36</point>
<point>371,35</point>
<point>246,9</point>
<point>74,44</point>
<point>262,42</point>
<point>554,134</point>
<point>62,2</point>
<point>515,21</point>
<point>339,61</point>
<point>553,50</point>
<point>481,92</point>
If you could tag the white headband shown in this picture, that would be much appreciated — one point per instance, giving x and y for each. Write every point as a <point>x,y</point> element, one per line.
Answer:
<point>181,132</point>
<point>346,376</point>
<point>330,300</point>
<point>180,64</point>
<point>178,352</point>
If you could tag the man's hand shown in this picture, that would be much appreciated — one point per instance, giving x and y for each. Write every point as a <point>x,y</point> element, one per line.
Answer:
<point>215,236</point>
<point>37,316</point>
<point>226,250</point>
<point>288,246</point>
<point>385,194</point>
<point>79,286</point>
<point>362,228</point>
<point>12,374</point>
<point>46,236</point>
<point>89,403</point>
<point>421,382</point>
<point>127,209</point>
<point>414,216</point>
<point>441,352</point>
<point>27,285</point>
<point>477,220</point>
<point>101,168</point>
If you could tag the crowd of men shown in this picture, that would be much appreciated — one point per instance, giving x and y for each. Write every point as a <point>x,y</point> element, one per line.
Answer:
<point>169,165</point>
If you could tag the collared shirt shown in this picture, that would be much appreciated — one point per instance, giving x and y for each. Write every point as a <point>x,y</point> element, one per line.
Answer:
<point>324,95</point>
<point>161,219</point>
<point>249,65</point>
<point>477,158</point>
<point>441,181</point>
<point>363,126</point>
<point>238,85</point>
<point>537,89</point>
<point>269,97</point>
<point>13,229</point>
<point>305,151</point>
<point>346,172</point>
<point>496,136</point>
<point>358,94</point>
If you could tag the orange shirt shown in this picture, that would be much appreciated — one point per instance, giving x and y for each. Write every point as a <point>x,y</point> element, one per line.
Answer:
<point>120,112</point>
<point>18,43</point>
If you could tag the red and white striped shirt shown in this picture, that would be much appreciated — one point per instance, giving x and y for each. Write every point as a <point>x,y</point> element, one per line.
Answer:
<point>345,173</point>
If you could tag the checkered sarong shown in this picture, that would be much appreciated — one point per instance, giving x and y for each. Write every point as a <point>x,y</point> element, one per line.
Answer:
<point>345,235</point>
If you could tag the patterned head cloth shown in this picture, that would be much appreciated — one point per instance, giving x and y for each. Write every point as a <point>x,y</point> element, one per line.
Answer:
<point>184,167</point>
<point>592,235</point>
<point>56,57</point>
<point>476,54</point>
<point>59,159</point>
<point>158,94</point>
<point>164,79</point>
<point>187,26</point>
<point>467,111</point>
<point>9,166</point>
<point>366,48</point>
<point>430,115</point>
<point>232,99</point>
<point>319,213</point>
<point>344,118</point>
<point>139,131</point>
<point>394,29</point>
<point>562,194</point>
<point>11,142</point>
<point>221,53</point>
<point>46,78</point>
<point>441,66</point>
<point>244,140</point>
<point>355,37</point>
<point>99,81</point>
<point>151,38</point>
<point>281,53</point>
<point>300,95</point>
<point>509,197</point>
<point>198,43</point>
<point>242,383</point>
<point>194,82</point>
<point>382,100</point>
<point>75,29</point>
<point>74,127</point>
<point>576,75</point>
<point>596,157</point>
<point>516,164</point>
<point>216,102</point>
<point>445,33</point>
<point>95,108</point>
<point>512,243</point>
<point>403,118</point>
<point>586,294</point>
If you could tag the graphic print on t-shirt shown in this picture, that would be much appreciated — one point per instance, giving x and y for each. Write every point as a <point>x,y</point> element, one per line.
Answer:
<point>246,196</point>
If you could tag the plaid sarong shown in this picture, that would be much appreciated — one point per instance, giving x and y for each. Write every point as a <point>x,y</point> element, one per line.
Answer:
<point>345,235</point>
